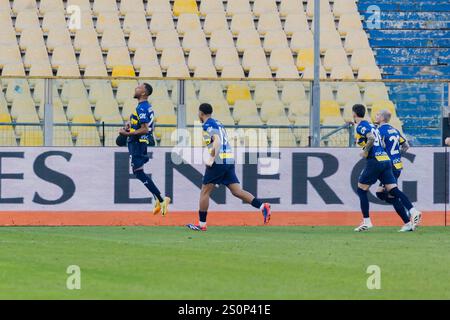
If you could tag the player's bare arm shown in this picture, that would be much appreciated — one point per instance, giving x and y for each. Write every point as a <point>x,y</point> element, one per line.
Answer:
<point>369,144</point>
<point>214,150</point>
<point>144,129</point>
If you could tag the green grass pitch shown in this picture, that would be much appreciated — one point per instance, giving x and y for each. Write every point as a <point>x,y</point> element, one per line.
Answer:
<point>223,263</point>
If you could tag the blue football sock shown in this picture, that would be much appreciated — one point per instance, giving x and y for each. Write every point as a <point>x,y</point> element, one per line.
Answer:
<point>364,201</point>
<point>399,208</point>
<point>202,216</point>
<point>403,198</point>
<point>149,184</point>
<point>256,203</point>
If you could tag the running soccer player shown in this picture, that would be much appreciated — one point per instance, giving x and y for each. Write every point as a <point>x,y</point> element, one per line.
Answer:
<point>220,169</point>
<point>378,167</point>
<point>138,131</point>
<point>394,143</point>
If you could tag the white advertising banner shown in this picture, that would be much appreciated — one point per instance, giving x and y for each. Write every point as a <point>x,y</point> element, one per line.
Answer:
<point>303,179</point>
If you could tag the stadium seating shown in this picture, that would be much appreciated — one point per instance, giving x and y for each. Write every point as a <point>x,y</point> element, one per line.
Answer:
<point>233,39</point>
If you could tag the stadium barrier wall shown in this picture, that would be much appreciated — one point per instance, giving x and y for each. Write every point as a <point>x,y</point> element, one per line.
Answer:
<point>306,186</point>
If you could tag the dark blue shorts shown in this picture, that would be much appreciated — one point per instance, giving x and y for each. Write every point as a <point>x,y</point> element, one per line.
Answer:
<point>220,174</point>
<point>138,154</point>
<point>377,170</point>
<point>396,173</point>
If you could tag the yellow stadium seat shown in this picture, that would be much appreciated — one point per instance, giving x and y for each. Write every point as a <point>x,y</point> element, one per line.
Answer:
<point>163,107</point>
<point>178,71</point>
<point>122,71</point>
<point>50,6</point>
<point>238,6</point>
<point>344,6</point>
<point>57,38</point>
<point>221,39</point>
<point>232,72</point>
<point>299,108</point>
<point>107,20</point>
<point>292,92</point>
<point>167,39</point>
<point>127,6</point>
<point>343,72</point>
<point>281,57</point>
<point>326,91</point>
<point>268,22</point>
<point>296,22</point>
<point>205,71</point>
<point>356,39</point>
<point>264,6</point>
<point>348,112</point>
<point>275,39</point>
<point>160,22</point>
<point>330,40</point>
<point>150,71</point>
<point>135,21</point>
<point>335,57</point>
<point>22,5</point>
<point>199,57</point>
<point>302,40</point>
<point>272,109</point>
<point>54,20</point>
<point>361,58</point>
<point>101,6</point>
<point>265,90</point>
<point>210,90</point>
<point>287,72</point>
<point>33,55</point>
<point>166,119</point>
<point>248,40</point>
<point>188,22</point>
<point>369,73</point>
<point>305,58</point>
<point>100,89</point>
<point>375,92</point>
<point>31,118</point>
<point>17,88</point>
<point>59,115</point>
<point>348,22</point>
<point>89,56</point>
<point>87,137</point>
<point>194,39</point>
<point>41,70</point>
<point>63,55</point>
<point>253,57</point>
<point>329,109</point>
<point>327,23</point>
<point>3,104</point>
<point>31,38</point>
<point>225,57</point>
<point>211,6</point>
<point>242,22</point>
<point>214,22</point>
<point>118,57</point>
<point>245,112</point>
<point>145,56</point>
<point>237,92</point>
<point>107,110</point>
<point>23,106</point>
<point>259,72</point>
<point>139,39</point>
<point>185,6</point>
<point>125,90</point>
<point>291,7</point>
<point>324,7</point>
<point>382,105</point>
<point>156,7</point>
<point>10,55</point>
<point>68,70</point>
<point>348,92</point>
<point>112,38</point>
<point>27,20</point>
<point>171,56</point>
<point>78,107</point>
<point>32,137</point>
<point>7,36</point>
<point>62,136</point>
<point>85,37</point>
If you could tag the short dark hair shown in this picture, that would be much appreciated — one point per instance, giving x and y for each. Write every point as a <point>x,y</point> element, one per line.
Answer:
<point>206,108</point>
<point>360,110</point>
<point>148,89</point>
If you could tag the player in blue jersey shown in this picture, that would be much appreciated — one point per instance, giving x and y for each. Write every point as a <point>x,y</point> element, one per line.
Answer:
<point>395,144</point>
<point>220,169</point>
<point>378,167</point>
<point>139,132</point>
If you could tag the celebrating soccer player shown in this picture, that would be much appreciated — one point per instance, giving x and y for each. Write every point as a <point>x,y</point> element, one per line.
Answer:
<point>139,131</point>
<point>395,143</point>
<point>220,168</point>
<point>378,167</point>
